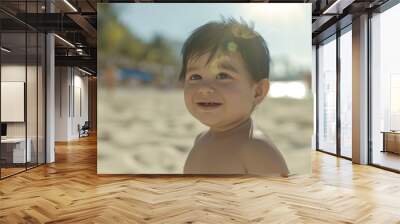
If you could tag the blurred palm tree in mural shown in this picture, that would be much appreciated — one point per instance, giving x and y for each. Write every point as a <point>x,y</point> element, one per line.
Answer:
<point>131,60</point>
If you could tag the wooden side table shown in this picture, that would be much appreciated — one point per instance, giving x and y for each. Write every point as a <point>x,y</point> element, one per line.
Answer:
<point>391,141</point>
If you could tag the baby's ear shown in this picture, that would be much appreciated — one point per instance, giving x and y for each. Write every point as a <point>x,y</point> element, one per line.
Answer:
<point>261,90</point>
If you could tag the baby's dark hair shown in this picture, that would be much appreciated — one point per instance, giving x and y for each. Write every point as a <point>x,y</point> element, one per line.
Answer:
<point>228,36</point>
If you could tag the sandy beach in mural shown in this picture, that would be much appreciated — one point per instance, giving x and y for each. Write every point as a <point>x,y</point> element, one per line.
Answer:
<point>144,130</point>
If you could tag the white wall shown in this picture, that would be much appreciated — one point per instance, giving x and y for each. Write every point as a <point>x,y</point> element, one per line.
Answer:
<point>70,83</point>
<point>13,72</point>
<point>62,80</point>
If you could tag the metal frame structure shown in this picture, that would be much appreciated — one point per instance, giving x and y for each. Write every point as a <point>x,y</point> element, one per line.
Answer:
<point>340,24</point>
<point>25,32</point>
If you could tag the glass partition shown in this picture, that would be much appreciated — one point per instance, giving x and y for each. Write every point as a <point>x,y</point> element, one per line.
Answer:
<point>14,153</point>
<point>32,85</point>
<point>327,96</point>
<point>22,77</point>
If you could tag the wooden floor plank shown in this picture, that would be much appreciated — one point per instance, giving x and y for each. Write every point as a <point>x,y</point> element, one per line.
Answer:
<point>70,191</point>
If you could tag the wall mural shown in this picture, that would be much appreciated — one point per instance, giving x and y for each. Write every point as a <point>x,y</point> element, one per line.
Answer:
<point>224,91</point>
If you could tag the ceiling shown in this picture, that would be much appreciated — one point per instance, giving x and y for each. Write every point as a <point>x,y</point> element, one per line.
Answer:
<point>76,22</point>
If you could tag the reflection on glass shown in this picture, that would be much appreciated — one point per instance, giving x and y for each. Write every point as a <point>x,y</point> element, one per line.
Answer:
<point>14,152</point>
<point>386,89</point>
<point>346,94</point>
<point>394,102</point>
<point>327,96</point>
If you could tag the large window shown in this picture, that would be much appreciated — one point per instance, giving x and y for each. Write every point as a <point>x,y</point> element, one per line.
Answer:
<point>385,88</point>
<point>346,93</point>
<point>327,96</point>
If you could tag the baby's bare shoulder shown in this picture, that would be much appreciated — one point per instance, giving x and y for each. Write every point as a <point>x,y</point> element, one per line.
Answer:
<point>260,142</point>
<point>260,146</point>
<point>261,156</point>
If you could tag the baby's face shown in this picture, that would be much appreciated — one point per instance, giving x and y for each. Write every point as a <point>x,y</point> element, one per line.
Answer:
<point>220,93</point>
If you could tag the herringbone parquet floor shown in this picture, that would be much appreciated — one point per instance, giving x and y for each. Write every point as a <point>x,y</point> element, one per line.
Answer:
<point>70,191</point>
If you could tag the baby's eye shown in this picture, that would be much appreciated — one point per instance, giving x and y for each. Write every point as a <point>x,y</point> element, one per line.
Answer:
<point>194,77</point>
<point>223,76</point>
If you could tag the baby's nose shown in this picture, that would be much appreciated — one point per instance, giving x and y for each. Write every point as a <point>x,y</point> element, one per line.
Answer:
<point>205,90</point>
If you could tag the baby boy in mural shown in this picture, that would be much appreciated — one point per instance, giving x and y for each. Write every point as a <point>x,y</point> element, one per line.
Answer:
<point>225,71</point>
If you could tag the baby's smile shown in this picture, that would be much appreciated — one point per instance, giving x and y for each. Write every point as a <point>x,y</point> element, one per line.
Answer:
<point>208,105</point>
